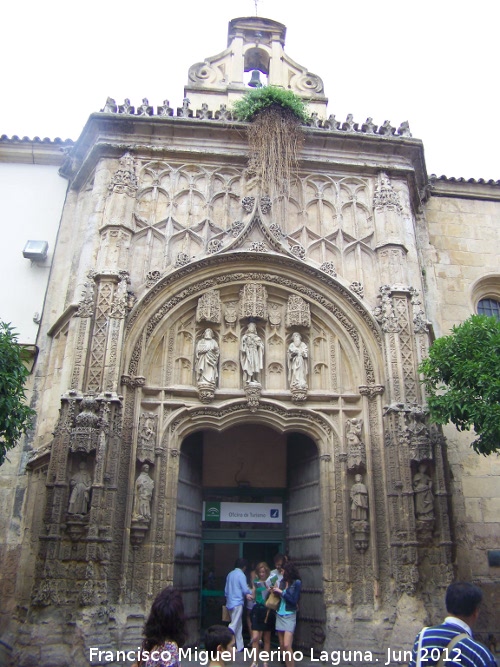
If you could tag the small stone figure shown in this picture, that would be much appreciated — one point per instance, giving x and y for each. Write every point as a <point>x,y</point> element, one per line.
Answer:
<point>297,362</point>
<point>359,500</point>
<point>356,458</point>
<point>80,490</point>
<point>144,486</point>
<point>207,357</point>
<point>424,499</point>
<point>251,354</point>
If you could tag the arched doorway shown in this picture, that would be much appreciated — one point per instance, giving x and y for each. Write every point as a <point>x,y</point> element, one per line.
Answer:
<point>248,491</point>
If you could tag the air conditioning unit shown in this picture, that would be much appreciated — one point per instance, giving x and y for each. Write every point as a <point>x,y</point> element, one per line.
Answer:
<point>36,250</point>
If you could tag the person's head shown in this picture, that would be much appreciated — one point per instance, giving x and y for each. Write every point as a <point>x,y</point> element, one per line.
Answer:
<point>252,327</point>
<point>241,563</point>
<point>357,478</point>
<point>290,572</point>
<point>297,338</point>
<point>279,561</point>
<point>218,638</point>
<point>262,570</point>
<point>166,620</point>
<point>209,333</point>
<point>145,468</point>
<point>463,600</point>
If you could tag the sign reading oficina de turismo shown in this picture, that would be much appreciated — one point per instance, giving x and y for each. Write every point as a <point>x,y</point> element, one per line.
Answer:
<point>243,512</point>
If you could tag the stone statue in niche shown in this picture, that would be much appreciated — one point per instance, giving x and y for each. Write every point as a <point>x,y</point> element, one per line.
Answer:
<point>251,354</point>
<point>360,527</point>
<point>144,486</point>
<point>424,499</point>
<point>207,358</point>
<point>355,446</point>
<point>80,485</point>
<point>359,500</point>
<point>297,357</point>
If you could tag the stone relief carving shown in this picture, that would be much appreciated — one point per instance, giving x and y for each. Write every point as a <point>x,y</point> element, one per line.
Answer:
<point>209,307</point>
<point>358,289</point>
<point>385,196</point>
<point>329,267</point>
<point>85,432</point>
<point>253,301</point>
<point>248,204</point>
<point>231,313</point>
<point>360,527</point>
<point>119,306</point>
<point>356,454</point>
<point>265,204</point>
<point>144,486</point>
<point>182,259</point>
<point>417,432</point>
<point>297,312</point>
<point>424,499</point>
<point>275,316</point>
<point>253,391</point>
<point>251,354</point>
<point>148,424</point>
<point>87,302</point>
<point>152,277</point>
<point>384,313</point>
<point>124,179</point>
<point>298,251</point>
<point>420,322</point>
<point>80,485</point>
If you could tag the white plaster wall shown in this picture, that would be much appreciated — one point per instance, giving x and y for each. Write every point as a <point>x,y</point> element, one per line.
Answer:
<point>31,201</point>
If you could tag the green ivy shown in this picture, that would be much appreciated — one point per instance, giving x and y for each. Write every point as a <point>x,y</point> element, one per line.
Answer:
<point>462,379</point>
<point>258,99</point>
<point>15,415</point>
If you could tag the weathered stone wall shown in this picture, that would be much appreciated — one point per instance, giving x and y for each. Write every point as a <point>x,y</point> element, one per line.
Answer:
<point>464,234</point>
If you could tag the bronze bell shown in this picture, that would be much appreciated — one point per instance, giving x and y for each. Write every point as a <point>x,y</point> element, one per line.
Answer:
<point>255,80</point>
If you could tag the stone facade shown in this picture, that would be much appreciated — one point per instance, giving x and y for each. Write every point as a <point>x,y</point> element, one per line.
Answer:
<point>180,318</point>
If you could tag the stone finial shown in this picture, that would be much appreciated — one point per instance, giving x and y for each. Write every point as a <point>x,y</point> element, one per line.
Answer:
<point>185,111</point>
<point>165,109</point>
<point>369,126</point>
<point>350,125</point>
<point>386,129</point>
<point>223,113</point>
<point>110,106</point>
<point>331,123</point>
<point>404,129</point>
<point>126,108</point>
<point>314,120</point>
<point>204,113</point>
<point>145,109</point>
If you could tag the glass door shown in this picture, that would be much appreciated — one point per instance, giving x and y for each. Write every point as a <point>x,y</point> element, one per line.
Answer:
<point>218,560</point>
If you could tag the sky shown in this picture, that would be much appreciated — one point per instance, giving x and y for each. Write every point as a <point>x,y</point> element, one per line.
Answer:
<point>432,63</point>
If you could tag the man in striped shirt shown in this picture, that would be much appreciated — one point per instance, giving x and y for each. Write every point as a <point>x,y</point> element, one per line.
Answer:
<point>431,644</point>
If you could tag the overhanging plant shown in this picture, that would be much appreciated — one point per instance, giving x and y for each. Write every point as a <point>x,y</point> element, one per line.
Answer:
<point>275,137</point>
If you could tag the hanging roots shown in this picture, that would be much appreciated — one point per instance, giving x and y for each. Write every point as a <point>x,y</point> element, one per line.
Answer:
<point>276,139</point>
